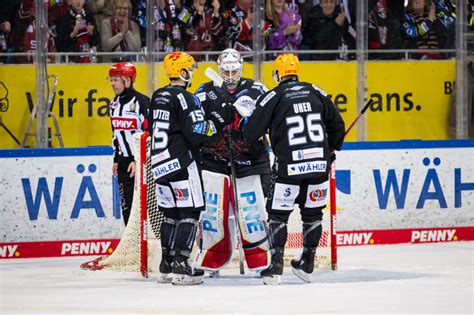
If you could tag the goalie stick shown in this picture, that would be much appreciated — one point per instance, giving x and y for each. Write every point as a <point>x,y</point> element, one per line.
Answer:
<point>219,81</point>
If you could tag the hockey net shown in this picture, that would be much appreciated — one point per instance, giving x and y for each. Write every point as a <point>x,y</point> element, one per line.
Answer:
<point>139,248</point>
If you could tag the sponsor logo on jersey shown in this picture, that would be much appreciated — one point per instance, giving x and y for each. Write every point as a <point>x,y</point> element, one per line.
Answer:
<point>182,101</point>
<point>165,197</point>
<point>157,158</point>
<point>166,168</point>
<point>442,235</point>
<point>307,154</point>
<point>201,96</point>
<point>124,123</point>
<point>212,95</point>
<point>297,94</point>
<point>284,196</point>
<point>85,248</point>
<point>181,194</point>
<point>267,98</point>
<point>307,167</point>
<point>133,107</point>
<point>320,90</point>
<point>318,195</point>
<point>296,88</point>
<point>7,251</point>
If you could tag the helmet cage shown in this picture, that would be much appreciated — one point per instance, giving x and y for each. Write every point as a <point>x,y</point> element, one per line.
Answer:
<point>230,65</point>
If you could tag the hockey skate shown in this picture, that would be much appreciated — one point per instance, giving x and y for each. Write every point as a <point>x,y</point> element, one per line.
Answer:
<point>166,268</point>
<point>271,275</point>
<point>184,273</point>
<point>303,267</point>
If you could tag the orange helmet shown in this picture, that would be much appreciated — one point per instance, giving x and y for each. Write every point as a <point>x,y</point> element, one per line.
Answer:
<point>285,64</point>
<point>123,69</point>
<point>176,61</point>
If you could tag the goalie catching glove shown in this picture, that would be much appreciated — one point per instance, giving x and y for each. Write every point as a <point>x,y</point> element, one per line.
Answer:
<point>245,106</point>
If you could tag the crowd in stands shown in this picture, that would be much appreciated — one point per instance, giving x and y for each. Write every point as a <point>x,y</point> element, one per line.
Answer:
<point>84,26</point>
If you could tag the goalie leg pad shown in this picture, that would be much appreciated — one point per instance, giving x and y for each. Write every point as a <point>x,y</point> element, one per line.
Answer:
<point>216,239</point>
<point>252,218</point>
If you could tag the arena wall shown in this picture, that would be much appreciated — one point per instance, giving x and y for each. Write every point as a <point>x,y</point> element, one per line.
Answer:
<point>65,202</point>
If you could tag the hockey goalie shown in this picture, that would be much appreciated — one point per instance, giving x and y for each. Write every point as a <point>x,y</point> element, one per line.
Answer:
<point>236,176</point>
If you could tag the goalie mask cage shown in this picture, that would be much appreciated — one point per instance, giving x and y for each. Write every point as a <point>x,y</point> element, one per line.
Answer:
<point>139,247</point>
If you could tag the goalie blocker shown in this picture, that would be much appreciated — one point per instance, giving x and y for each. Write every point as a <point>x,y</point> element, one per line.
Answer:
<point>218,223</point>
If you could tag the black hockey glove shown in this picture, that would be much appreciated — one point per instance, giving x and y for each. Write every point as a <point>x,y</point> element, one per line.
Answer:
<point>223,117</point>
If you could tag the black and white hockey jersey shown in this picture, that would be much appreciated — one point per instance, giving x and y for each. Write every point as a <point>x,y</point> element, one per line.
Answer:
<point>245,153</point>
<point>178,125</point>
<point>304,126</point>
<point>128,115</point>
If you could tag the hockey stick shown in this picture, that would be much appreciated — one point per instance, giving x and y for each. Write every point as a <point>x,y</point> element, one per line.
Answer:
<point>219,81</point>
<point>332,193</point>
<point>364,109</point>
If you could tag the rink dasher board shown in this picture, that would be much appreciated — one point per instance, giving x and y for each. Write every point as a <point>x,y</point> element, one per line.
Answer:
<point>64,202</point>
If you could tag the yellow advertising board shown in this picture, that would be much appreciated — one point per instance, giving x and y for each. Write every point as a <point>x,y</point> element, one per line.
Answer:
<point>412,99</point>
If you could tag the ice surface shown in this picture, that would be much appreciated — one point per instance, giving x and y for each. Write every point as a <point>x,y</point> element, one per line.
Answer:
<point>390,279</point>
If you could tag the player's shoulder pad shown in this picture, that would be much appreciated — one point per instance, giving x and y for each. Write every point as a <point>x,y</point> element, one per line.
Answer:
<point>187,99</point>
<point>201,93</point>
<point>263,99</point>
<point>142,98</point>
<point>259,86</point>
<point>320,90</point>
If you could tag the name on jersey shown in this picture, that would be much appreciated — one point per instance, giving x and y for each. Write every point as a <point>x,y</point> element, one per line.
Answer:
<point>166,168</point>
<point>124,123</point>
<point>306,167</point>
<point>161,114</point>
<point>307,154</point>
<point>302,107</point>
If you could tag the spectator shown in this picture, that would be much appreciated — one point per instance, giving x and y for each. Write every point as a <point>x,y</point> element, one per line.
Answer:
<point>285,26</point>
<point>139,16</point>
<point>102,10</point>
<point>384,27</point>
<point>29,39</point>
<point>7,14</point>
<point>426,25</point>
<point>119,33</point>
<point>77,31</point>
<point>207,27</point>
<point>173,20</point>
<point>239,21</point>
<point>328,29</point>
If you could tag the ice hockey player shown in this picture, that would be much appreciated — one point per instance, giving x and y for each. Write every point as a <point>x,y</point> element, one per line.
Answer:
<point>305,128</point>
<point>128,114</point>
<point>177,127</point>
<point>251,164</point>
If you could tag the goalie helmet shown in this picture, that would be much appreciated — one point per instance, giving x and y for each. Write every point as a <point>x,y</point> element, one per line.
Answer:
<point>285,64</point>
<point>176,61</point>
<point>230,65</point>
<point>123,70</point>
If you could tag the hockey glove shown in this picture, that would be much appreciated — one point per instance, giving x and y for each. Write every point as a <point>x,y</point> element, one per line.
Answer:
<point>245,105</point>
<point>223,117</point>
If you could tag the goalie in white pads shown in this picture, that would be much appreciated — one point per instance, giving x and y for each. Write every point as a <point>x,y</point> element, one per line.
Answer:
<point>252,167</point>
<point>305,128</point>
<point>177,127</point>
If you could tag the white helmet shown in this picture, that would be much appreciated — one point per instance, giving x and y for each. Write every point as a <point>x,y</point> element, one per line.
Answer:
<point>230,65</point>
